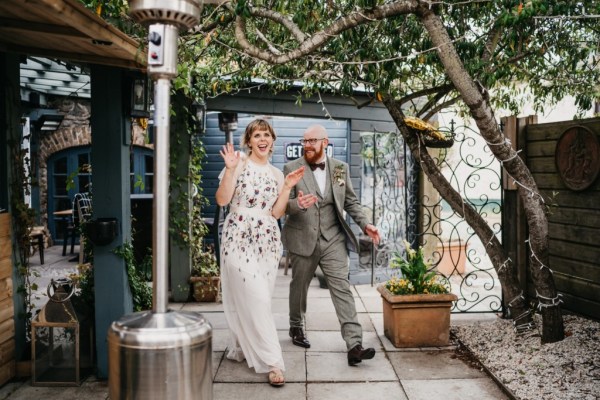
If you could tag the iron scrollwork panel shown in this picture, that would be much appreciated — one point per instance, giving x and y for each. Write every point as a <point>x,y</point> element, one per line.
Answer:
<point>384,194</point>
<point>402,210</point>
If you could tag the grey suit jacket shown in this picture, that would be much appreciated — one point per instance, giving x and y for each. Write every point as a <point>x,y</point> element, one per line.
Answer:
<point>301,231</point>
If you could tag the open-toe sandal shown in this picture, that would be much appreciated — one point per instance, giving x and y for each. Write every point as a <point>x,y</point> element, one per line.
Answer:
<point>276,378</point>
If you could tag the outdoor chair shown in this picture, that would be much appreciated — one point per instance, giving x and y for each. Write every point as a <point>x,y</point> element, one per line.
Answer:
<point>82,212</point>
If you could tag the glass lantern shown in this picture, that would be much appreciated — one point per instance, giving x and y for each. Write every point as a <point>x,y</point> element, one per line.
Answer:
<point>55,344</point>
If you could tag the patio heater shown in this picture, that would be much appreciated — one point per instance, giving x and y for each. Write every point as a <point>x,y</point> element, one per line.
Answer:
<point>161,354</point>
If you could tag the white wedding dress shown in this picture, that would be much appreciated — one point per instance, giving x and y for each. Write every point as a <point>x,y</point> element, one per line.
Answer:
<point>250,253</point>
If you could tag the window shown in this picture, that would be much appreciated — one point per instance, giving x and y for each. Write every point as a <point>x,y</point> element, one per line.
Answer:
<point>142,171</point>
<point>68,173</point>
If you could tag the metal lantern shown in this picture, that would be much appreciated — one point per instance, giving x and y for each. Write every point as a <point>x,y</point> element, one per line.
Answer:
<point>58,357</point>
<point>161,354</point>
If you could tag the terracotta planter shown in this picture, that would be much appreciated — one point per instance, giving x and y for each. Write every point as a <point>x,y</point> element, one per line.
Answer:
<point>454,257</point>
<point>416,320</point>
<point>206,288</point>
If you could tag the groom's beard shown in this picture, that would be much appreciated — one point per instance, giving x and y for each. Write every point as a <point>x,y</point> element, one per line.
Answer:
<point>312,156</point>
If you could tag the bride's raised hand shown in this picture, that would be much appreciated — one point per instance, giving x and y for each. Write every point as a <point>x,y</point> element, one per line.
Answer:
<point>294,177</point>
<point>230,156</point>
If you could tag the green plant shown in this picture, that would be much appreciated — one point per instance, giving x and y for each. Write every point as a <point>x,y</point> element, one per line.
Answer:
<point>417,277</point>
<point>141,293</point>
<point>84,299</point>
<point>205,275</point>
<point>23,220</point>
<point>204,263</point>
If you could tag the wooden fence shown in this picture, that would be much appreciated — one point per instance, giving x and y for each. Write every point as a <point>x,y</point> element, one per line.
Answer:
<point>7,325</point>
<point>564,160</point>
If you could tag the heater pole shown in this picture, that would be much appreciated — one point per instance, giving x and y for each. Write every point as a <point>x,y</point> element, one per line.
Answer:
<point>160,237</point>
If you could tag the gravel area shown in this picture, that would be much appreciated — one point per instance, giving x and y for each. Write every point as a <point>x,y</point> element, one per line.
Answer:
<point>569,369</point>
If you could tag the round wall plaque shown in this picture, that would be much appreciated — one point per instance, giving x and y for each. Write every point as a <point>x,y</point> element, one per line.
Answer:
<point>577,157</point>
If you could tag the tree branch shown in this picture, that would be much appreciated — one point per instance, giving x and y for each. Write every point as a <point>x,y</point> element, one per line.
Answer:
<point>424,92</point>
<point>440,107</point>
<point>310,44</point>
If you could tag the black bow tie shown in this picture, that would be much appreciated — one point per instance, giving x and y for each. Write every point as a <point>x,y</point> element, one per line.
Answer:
<point>317,165</point>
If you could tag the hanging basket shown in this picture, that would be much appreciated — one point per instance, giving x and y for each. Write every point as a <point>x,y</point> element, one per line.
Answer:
<point>428,134</point>
<point>444,143</point>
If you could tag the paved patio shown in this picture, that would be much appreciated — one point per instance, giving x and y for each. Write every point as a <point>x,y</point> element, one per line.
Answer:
<point>320,372</point>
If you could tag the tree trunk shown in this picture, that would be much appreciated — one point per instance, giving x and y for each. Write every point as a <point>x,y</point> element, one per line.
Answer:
<point>474,97</point>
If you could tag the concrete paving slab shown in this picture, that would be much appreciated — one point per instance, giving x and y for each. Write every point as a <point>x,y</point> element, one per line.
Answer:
<point>176,306</point>
<point>333,367</point>
<point>91,389</point>
<point>282,321</point>
<point>258,391</point>
<point>432,365</point>
<point>233,371</point>
<point>372,304</point>
<point>220,339</point>
<point>281,291</point>
<point>280,306</point>
<point>203,307</point>
<point>351,390</point>
<point>217,357</point>
<point>216,319</point>
<point>332,341</point>
<point>325,304</point>
<point>321,321</point>
<point>469,318</point>
<point>367,290</point>
<point>453,389</point>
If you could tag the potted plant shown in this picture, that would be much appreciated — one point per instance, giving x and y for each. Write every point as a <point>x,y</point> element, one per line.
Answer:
<point>205,277</point>
<point>416,305</point>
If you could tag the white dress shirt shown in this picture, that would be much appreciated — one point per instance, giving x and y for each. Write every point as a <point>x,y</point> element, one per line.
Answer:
<point>321,176</point>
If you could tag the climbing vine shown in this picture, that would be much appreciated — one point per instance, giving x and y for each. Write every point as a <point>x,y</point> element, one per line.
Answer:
<point>23,220</point>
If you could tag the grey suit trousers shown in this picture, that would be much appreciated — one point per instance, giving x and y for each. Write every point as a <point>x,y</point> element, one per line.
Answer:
<point>332,256</point>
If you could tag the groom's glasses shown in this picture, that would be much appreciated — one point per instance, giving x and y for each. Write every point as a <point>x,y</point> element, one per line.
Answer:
<point>312,142</point>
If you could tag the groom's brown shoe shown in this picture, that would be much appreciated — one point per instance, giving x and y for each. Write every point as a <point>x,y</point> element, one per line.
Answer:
<point>298,338</point>
<point>357,354</point>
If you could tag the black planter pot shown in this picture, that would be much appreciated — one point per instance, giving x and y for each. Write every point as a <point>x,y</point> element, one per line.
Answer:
<point>101,231</point>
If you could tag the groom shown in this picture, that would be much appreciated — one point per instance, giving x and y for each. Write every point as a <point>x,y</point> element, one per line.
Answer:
<point>315,233</point>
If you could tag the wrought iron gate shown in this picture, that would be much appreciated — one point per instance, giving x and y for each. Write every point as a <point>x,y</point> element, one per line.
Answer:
<point>406,207</point>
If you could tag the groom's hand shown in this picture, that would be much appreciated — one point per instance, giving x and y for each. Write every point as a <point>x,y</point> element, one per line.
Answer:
<point>373,233</point>
<point>305,201</point>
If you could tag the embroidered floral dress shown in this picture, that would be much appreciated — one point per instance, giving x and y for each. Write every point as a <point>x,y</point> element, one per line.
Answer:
<point>250,253</point>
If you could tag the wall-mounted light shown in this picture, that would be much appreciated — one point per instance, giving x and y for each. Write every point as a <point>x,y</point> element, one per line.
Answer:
<point>199,109</point>
<point>228,122</point>
<point>140,98</point>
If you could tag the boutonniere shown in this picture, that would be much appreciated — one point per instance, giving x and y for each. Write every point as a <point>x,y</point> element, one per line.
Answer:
<point>339,176</point>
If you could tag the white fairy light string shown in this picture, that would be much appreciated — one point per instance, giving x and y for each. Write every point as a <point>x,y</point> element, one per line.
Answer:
<point>536,258</point>
<point>504,264</point>
<point>549,301</point>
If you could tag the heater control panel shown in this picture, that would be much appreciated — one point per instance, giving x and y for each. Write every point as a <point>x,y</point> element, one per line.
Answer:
<point>156,52</point>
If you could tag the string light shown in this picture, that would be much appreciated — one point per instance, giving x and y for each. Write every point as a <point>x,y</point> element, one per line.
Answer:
<point>550,301</point>
<point>536,258</point>
<point>323,106</point>
<point>504,264</point>
<point>522,328</point>
<point>517,297</point>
